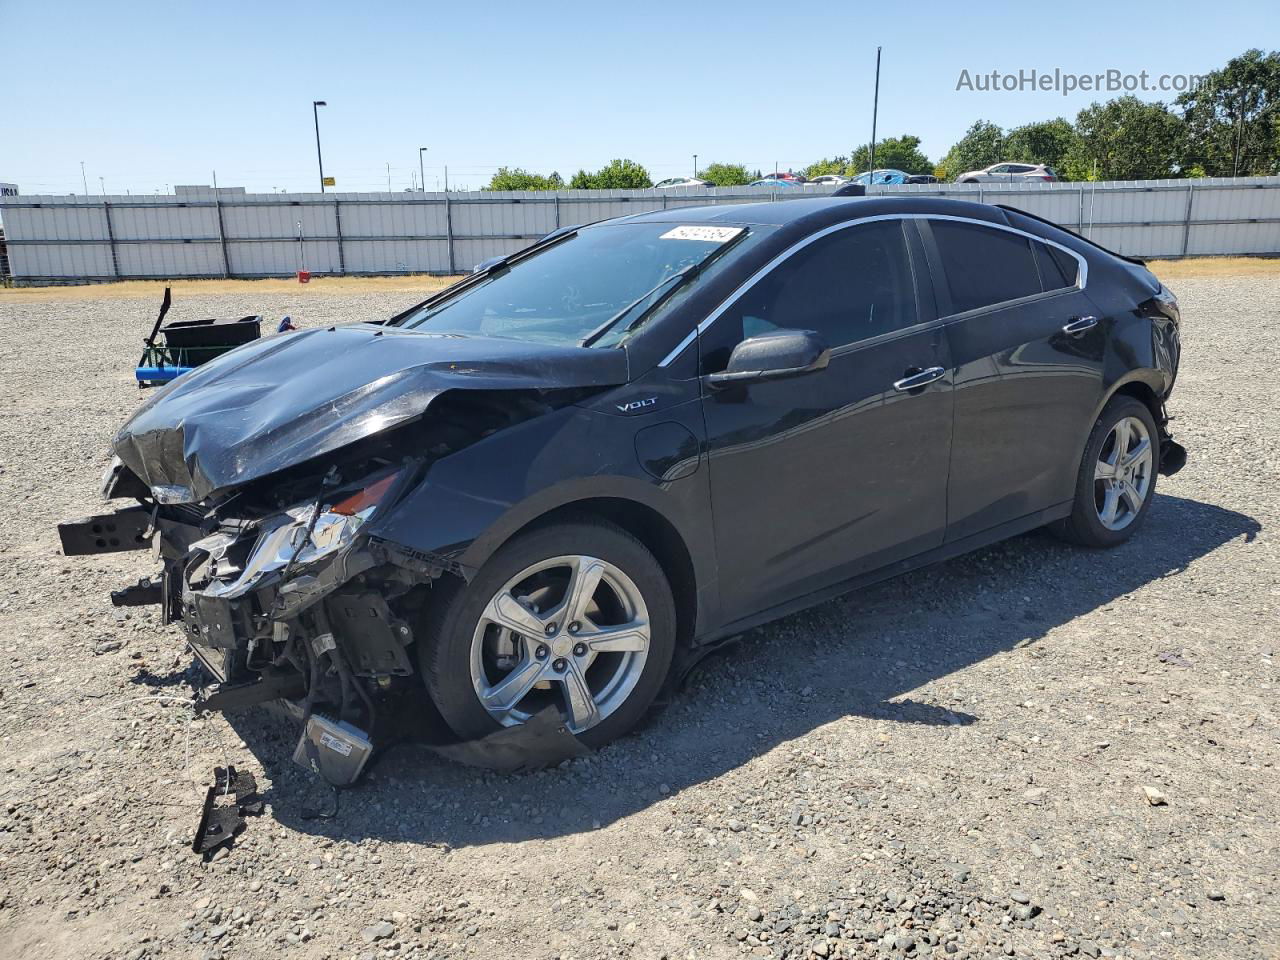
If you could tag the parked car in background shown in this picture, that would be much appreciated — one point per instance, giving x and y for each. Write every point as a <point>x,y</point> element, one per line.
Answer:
<point>881,178</point>
<point>772,182</point>
<point>922,178</point>
<point>558,481</point>
<point>675,183</point>
<point>787,175</point>
<point>1007,172</point>
<point>831,180</point>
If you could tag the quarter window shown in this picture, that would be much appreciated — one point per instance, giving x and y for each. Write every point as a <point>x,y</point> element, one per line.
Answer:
<point>851,285</point>
<point>984,266</point>
<point>1058,269</point>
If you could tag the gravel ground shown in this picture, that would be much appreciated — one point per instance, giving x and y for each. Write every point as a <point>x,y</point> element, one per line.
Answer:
<point>1033,751</point>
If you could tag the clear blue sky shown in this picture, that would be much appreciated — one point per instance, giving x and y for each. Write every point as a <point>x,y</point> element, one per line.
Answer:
<point>152,94</point>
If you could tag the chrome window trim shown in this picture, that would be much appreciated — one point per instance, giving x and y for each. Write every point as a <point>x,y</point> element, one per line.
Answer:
<point>1082,276</point>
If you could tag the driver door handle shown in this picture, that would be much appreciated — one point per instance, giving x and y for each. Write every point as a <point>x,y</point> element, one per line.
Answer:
<point>1079,325</point>
<point>921,378</point>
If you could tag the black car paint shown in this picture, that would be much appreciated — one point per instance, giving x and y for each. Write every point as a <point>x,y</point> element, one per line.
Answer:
<point>285,400</point>
<point>765,496</point>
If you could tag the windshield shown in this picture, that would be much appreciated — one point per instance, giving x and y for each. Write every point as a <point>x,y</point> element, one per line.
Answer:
<point>569,291</point>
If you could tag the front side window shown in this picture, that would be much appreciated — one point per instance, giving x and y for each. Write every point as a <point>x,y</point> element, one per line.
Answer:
<point>566,293</point>
<point>849,286</point>
<point>984,266</point>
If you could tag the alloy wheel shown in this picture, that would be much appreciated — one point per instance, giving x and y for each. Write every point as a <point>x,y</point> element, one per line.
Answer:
<point>1122,475</point>
<point>572,631</point>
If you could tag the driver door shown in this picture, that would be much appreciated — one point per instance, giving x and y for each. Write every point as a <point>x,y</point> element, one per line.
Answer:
<point>827,475</point>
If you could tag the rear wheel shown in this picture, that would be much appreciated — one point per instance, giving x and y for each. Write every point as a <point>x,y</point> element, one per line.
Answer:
<point>1117,478</point>
<point>578,616</point>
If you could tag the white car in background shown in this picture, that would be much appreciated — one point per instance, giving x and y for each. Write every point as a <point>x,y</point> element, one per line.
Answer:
<point>831,180</point>
<point>675,183</point>
<point>1008,172</point>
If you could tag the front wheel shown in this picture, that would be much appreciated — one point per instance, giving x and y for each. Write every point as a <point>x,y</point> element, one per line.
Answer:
<point>576,615</point>
<point>1117,478</point>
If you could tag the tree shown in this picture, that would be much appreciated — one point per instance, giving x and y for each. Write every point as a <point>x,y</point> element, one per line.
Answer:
<point>892,153</point>
<point>1125,139</point>
<point>514,178</point>
<point>725,174</point>
<point>1046,142</point>
<point>824,166</point>
<point>981,146</point>
<point>1233,118</point>
<point>617,175</point>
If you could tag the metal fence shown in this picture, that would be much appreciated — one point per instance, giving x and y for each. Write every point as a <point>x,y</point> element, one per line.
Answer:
<point>53,239</point>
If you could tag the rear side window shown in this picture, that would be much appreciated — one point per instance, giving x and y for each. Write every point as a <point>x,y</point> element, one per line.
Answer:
<point>851,285</point>
<point>984,266</point>
<point>1058,268</point>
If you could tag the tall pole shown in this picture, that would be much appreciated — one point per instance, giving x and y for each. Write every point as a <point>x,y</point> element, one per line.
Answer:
<point>315,115</point>
<point>421,176</point>
<point>388,176</point>
<point>875,111</point>
<point>83,179</point>
<point>446,178</point>
<point>695,166</point>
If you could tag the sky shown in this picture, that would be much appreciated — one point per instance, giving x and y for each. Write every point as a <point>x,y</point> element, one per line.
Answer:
<point>148,95</point>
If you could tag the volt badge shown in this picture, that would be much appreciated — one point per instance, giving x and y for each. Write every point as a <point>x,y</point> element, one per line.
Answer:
<point>635,406</point>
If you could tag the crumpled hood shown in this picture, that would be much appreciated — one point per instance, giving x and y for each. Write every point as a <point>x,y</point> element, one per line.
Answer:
<point>282,400</point>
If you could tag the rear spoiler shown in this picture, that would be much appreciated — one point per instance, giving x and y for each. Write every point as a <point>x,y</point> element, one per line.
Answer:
<point>1093,243</point>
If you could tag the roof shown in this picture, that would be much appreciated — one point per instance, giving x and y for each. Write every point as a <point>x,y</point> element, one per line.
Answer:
<point>819,210</point>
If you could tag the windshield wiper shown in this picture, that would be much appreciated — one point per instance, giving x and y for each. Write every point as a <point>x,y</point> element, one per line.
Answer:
<point>609,324</point>
<point>688,273</point>
<point>472,279</point>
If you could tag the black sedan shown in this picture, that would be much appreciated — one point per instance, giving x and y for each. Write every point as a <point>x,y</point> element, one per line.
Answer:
<point>553,485</point>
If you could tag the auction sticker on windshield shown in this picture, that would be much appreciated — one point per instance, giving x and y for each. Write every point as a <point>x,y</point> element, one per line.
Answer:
<point>707,234</point>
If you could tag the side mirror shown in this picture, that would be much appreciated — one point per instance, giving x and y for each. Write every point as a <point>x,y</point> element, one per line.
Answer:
<point>773,356</point>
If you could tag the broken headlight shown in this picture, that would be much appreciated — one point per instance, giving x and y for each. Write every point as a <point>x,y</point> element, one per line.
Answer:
<point>296,537</point>
<point>304,538</point>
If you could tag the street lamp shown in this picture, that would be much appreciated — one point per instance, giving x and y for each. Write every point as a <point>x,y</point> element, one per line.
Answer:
<point>695,166</point>
<point>421,179</point>
<point>315,115</point>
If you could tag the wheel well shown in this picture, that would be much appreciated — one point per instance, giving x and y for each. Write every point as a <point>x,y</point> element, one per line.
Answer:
<point>661,538</point>
<point>1140,391</point>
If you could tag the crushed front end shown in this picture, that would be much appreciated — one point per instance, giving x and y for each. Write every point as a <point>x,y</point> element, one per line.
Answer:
<point>281,592</point>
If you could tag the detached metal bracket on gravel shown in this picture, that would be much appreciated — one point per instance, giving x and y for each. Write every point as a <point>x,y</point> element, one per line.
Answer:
<point>272,686</point>
<point>220,823</point>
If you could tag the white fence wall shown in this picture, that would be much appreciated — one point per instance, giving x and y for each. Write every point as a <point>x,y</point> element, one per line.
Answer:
<point>103,238</point>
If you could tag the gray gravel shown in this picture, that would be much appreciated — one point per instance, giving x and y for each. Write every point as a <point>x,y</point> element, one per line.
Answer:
<point>960,763</point>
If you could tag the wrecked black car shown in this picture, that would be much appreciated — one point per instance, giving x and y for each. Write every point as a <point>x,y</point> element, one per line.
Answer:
<point>555,484</point>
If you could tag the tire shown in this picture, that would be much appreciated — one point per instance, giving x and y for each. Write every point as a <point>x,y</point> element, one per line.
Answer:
<point>1103,514</point>
<point>465,648</point>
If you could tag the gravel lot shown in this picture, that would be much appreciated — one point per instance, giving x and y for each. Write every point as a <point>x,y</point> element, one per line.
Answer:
<point>952,764</point>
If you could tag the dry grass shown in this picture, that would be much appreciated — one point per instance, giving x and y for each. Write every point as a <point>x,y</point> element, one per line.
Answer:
<point>1215,267</point>
<point>154,289</point>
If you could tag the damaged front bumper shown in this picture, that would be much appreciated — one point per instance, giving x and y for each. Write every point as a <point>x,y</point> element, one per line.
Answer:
<point>300,604</point>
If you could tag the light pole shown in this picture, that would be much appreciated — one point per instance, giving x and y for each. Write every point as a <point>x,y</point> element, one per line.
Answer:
<point>421,179</point>
<point>315,115</point>
<point>875,110</point>
<point>84,179</point>
<point>695,166</point>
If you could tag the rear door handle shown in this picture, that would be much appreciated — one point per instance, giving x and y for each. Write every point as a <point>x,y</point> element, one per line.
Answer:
<point>915,381</point>
<point>1079,325</point>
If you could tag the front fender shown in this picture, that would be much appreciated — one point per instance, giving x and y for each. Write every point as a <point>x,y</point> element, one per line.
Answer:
<point>470,503</point>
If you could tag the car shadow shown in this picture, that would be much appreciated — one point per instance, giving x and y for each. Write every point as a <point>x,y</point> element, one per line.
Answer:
<point>860,656</point>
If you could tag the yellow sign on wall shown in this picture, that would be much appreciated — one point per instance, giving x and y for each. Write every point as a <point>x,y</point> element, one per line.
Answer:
<point>329,181</point>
